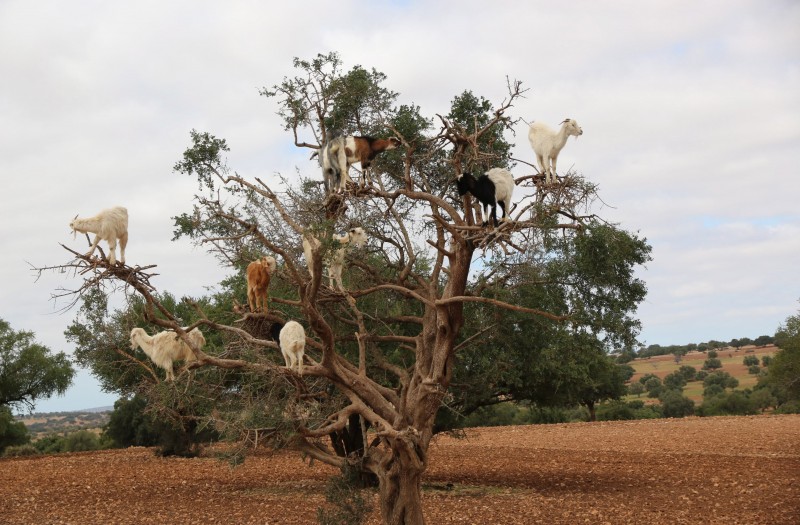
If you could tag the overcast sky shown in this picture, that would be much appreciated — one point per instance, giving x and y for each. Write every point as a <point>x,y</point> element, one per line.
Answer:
<point>690,112</point>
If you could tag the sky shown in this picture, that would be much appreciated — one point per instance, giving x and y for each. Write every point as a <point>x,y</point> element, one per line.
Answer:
<point>690,112</point>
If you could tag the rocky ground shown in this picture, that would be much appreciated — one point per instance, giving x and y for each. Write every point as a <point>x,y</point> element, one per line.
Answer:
<point>728,470</point>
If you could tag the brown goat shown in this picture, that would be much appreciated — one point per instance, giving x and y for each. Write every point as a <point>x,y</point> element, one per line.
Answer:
<point>258,277</point>
<point>342,152</point>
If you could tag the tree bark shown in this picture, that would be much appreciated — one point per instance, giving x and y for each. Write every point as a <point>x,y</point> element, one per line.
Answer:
<point>400,485</point>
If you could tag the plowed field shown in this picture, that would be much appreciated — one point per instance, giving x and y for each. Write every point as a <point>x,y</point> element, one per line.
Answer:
<point>728,470</point>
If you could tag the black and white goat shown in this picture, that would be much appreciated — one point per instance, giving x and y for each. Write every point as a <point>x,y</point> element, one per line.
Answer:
<point>491,189</point>
<point>342,152</point>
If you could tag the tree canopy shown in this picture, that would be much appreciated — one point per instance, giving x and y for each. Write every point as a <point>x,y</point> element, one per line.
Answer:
<point>29,371</point>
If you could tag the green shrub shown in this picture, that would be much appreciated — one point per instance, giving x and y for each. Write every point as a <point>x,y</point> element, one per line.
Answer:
<point>750,360</point>
<point>614,411</point>
<point>790,407</point>
<point>20,450</point>
<point>81,441</point>
<point>12,433</point>
<point>734,403</point>
<point>674,404</point>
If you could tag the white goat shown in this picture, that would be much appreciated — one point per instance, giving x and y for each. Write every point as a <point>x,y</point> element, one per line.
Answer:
<point>166,347</point>
<point>547,144</point>
<point>355,237</point>
<point>292,339</point>
<point>109,225</point>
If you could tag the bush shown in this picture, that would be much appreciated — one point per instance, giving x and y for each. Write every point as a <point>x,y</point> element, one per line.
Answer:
<point>701,375</point>
<point>754,370</point>
<point>615,411</point>
<point>712,363</point>
<point>674,381</point>
<point>790,407</point>
<point>674,404</point>
<point>727,404</point>
<point>12,433</point>
<point>50,444</point>
<point>723,379</point>
<point>689,373</point>
<point>636,389</point>
<point>653,386</point>
<point>20,450</point>
<point>750,360</point>
<point>713,390</point>
<point>81,441</point>
<point>712,354</point>
<point>766,360</point>
<point>763,399</point>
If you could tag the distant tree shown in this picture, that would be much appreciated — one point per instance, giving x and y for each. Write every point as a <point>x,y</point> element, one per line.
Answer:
<point>712,354</point>
<point>675,404</point>
<point>784,369</point>
<point>701,375</point>
<point>674,381</point>
<point>689,373</point>
<point>763,399</point>
<point>766,361</point>
<point>129,425</point>
<point>712,390</point>
<point>723,379</point>
<point>653,386</point>
<point>712,363</point>
<point>763,340</point>
<point>754,370</point>
<point>750,360</point>
<point>734,403</point>
<point>28,370</point>
<point>646,377</point>
<point>81,441</point>
<point>636,388</point>
<point>703,347</point>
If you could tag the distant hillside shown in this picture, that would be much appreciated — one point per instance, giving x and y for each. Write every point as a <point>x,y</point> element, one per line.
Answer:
<point>730,358</point>
<point>40,424</point>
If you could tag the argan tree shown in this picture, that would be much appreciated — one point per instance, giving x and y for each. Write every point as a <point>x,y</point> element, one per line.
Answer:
<point>382,354</point>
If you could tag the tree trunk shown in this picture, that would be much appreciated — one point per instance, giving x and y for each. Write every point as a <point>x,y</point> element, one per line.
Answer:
<point>592,414</point>
<point>400,493</point>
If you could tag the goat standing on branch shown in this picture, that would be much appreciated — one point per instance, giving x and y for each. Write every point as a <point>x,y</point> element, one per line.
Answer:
<point>355,236</point>
<point>493,188</point>
<point>292,339</point>
<point>109,225</point>
<point>342,152</point>
<point>547,144</point>
<point>166,347</point>
<point>258,276</point>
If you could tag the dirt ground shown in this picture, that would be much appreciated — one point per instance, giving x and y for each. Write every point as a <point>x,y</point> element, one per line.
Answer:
<point>725,470</point>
